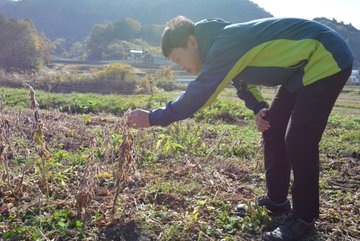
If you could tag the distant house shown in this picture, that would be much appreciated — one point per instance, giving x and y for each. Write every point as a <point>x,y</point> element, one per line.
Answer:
<point>136,55</point>
<point>355,77</point>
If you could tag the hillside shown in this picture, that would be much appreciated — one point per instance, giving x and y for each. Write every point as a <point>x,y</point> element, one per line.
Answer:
<point>73,20</point>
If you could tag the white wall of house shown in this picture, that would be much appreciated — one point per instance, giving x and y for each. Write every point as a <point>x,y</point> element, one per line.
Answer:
<point>355,77</point>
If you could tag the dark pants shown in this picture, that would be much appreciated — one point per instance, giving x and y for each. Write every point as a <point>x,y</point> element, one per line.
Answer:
<point>297,123</point>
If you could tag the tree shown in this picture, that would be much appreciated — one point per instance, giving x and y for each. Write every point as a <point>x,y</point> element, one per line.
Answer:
<point>58,46</point>
<point>96,43</point>
<point>76,51</point>
<point>126,29</point>
<point>152,34</point>
<point>103,35</point>
<point>22,48</point>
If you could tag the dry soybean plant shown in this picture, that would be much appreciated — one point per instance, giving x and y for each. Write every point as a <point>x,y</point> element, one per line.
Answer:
<point>3,159</point>
<point>126,161</point>
<point>87,183</point>
<point>4,130</point>
<point>123,157</point>
<point>38,137</point>
<point>14,184</point>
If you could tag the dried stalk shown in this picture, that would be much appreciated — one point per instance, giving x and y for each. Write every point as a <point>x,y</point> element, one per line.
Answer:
<point>87,183</point>
<point>44,154</point>
<point>33,102</point>
<point>7,176</point>
<point>125,162</point>
<point>107,145</point>
<point>4,161</point>
<point>39,139</point>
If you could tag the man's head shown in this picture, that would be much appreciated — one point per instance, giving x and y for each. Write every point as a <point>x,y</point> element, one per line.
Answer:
<point>180,44</point>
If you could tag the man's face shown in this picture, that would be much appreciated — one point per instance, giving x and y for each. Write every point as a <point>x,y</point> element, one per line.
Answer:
<point>188,58</point>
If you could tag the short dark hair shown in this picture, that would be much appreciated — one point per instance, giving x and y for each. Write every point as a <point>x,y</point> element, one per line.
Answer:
<point>176,34</point>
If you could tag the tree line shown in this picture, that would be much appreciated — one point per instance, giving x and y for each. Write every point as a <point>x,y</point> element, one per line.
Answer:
<point>22,49</point>
<point>108,40</point>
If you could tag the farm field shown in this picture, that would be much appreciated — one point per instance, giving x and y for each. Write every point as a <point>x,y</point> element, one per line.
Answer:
<point>71,170</point>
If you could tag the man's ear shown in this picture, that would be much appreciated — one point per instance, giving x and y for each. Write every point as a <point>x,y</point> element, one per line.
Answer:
<point>192,40</point>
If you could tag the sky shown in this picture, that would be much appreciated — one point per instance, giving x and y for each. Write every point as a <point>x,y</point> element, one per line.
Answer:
<point>347,11</point>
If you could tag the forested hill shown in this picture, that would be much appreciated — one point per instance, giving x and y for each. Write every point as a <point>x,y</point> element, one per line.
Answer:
<point>73,20</point>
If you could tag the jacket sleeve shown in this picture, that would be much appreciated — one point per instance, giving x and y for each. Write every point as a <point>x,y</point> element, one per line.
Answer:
<point>251,95</point>
<point>199,94</point>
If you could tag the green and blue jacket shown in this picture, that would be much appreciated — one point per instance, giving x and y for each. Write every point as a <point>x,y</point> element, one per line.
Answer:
<point>270,52</point>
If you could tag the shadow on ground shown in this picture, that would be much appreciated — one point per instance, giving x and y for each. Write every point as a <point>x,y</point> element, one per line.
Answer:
<point>130,231</point>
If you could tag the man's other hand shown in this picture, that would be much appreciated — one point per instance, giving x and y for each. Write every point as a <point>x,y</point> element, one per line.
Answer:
<point>261,123</point>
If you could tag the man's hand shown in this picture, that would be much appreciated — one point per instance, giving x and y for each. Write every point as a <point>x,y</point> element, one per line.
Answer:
<point>138,119</point>
<point>261,123</point>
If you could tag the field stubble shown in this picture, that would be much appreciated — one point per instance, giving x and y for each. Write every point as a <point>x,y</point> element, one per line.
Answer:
<point>177,183</point>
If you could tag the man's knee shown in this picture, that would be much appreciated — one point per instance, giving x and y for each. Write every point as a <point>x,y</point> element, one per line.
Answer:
<point>272,135</point>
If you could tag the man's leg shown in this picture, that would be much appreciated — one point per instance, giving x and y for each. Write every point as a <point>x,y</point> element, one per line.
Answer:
<point>277,165</point>
<point>307,124</point>
<point>308,121</point>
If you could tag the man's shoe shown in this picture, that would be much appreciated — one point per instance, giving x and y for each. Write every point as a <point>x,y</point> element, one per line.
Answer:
<point>273,208</point>
<point>293,229</point>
